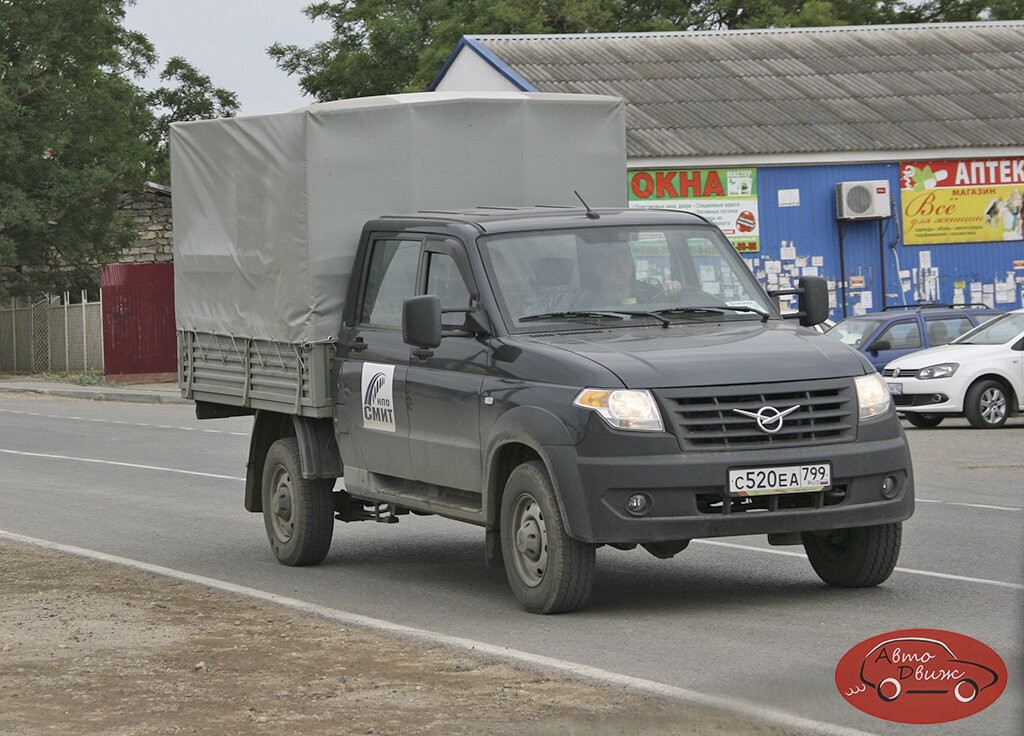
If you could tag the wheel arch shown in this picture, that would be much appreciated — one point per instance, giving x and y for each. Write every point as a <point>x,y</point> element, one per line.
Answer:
<point>318,450</point>
<point>520,435</point>
<point>1013,400</point>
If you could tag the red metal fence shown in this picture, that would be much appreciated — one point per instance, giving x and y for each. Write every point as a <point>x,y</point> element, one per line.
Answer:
<point>138,319</point>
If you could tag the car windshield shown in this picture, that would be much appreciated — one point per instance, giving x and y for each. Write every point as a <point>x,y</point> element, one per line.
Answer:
<point>996,331</point>
<point>615,275</point>
<point>854,332</point>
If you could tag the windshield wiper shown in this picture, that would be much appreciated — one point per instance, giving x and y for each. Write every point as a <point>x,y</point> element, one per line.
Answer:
<point>571,314</point>
<point>684,310</point>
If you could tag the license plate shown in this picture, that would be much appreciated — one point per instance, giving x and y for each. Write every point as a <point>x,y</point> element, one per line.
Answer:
<point>895,388</point>
<point>783,479</point>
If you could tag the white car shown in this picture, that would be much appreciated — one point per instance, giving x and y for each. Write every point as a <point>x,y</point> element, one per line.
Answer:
<point>980,375</point>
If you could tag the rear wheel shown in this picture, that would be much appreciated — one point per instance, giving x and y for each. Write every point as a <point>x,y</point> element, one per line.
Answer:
<point>924,421</point>
<point>549,572</point>
<point>987,405</point>
<point>860,557</point>
<point>298,513</point>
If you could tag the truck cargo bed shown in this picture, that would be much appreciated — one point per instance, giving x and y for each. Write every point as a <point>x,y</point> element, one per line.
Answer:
<point>256,374</point>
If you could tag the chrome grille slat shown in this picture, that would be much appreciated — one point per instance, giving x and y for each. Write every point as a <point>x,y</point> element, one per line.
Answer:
<point>704,417</point>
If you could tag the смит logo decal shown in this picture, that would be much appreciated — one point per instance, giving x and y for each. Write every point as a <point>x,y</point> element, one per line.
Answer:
<point>378,401</point>
<point>921,676</point>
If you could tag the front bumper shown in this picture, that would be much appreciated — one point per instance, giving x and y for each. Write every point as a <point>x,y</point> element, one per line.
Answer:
<point>934,396</point>
<point>688,490</point>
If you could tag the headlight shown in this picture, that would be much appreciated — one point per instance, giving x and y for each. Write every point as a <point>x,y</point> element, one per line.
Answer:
<point>623,408</point>
<point>873,398</point>
<point>942,370</point>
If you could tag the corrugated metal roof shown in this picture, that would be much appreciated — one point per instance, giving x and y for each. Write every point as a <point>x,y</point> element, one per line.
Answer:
<point>808,90</point>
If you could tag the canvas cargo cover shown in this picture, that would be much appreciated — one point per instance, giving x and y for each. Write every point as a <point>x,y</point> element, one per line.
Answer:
<point>268,208</point>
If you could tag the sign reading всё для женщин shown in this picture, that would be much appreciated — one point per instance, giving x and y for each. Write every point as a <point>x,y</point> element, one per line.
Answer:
<point>962,201</point>
<point>726,197</point>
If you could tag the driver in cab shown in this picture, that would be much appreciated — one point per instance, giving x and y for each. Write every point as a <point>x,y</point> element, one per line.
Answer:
<point>613,275</point>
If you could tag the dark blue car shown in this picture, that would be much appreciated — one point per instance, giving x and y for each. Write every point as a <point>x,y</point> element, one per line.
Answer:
<point>889,334</point>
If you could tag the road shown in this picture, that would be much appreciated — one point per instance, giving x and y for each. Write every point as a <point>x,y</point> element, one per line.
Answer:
<point>728,617</point>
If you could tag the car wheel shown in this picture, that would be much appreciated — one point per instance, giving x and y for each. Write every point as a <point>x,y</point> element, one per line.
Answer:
<point>548,570</point>
<point>924,421</point>
<point>987,405</point>
<point>298,512</point>
<point>860,557</point>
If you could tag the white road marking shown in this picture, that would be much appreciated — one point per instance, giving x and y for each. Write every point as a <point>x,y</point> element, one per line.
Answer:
<point>118,464</point>
<point>731,705</point>
<point>927,573</point>
<point>969,505</point>
<point>122,422</point>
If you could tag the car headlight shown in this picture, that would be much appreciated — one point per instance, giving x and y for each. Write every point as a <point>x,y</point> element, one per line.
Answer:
<point>942,370</point>
<point>623,408</point>
<point>873,398</point>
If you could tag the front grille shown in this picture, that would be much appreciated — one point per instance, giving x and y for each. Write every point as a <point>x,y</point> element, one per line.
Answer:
<point>713,503</point>
<point>703,418</point>
<point>903,373</point>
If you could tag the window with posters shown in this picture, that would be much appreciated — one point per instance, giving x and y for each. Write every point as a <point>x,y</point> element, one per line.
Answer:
<point>962,201</point>
<point>726,197</point>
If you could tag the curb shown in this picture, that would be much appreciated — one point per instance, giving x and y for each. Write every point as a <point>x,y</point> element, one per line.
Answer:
<point>138,397</point>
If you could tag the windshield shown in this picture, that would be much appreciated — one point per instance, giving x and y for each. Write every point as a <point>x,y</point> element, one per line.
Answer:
<point>618,274</point>
<point>854,332</point>
<point>1002,329</point>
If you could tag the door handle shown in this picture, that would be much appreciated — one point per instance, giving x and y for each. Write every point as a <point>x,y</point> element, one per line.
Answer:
<point>356,345</point>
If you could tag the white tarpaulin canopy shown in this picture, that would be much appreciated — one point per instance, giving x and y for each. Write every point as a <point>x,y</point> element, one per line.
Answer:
<point>268,209</point>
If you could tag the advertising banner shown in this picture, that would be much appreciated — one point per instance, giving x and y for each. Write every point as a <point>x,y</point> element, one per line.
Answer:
<point>962,201</point>
<point>726,197</point>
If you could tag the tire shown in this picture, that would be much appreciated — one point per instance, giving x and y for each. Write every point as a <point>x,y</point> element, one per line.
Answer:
<point>549,572</point>
<point>924,421</point>
<point>298,513</point>
<point>987,405</point>
<point>861,557</point>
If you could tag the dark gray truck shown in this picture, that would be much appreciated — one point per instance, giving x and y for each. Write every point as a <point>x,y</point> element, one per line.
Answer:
<point>563,377</point>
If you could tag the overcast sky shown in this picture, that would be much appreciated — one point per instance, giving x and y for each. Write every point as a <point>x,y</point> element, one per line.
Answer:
<point>227,41</point>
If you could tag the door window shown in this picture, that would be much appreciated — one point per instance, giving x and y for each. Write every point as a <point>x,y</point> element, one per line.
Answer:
<point>444,280</point>
<point>941,331</point>
<point>392,280</point>
<point>904,335</point>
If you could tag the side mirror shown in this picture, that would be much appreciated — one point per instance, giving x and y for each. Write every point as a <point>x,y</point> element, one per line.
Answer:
<point>813,300</point>
<point>879,345</point>
<point>421,321</point>
<point>812,292</point>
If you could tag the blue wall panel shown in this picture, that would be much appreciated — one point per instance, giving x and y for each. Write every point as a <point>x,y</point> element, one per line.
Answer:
<point>871,249</point>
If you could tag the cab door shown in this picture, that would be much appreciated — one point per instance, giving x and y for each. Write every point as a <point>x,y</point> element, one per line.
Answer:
<point>374,372</point>
<point>443,391</point>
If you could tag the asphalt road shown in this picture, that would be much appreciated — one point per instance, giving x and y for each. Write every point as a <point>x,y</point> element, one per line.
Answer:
<point>728,617</point>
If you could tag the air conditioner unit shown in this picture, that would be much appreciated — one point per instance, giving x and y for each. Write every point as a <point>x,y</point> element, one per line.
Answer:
<point>863,200</point>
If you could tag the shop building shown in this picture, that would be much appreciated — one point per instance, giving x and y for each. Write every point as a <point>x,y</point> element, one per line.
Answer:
<point>888,159</point>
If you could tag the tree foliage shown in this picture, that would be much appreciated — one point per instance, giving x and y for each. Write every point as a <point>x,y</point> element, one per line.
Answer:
<point>193,97</point>
<point>71,125</point>
<point>76,131</point>
<point>386,46</point>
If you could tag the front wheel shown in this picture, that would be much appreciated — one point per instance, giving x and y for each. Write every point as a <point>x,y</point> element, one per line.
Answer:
<point>860,557</point>
<point>548,570</point>
<point>298,513</point>
<point>924,421</point>
<point>987,405</point>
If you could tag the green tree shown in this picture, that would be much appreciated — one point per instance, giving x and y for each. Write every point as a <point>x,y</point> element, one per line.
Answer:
<point>72,127</point>
<point>193,98</point>
<point>385,46</point>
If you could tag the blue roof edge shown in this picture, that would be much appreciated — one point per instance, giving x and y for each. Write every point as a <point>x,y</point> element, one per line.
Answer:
<point>489,56</point>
